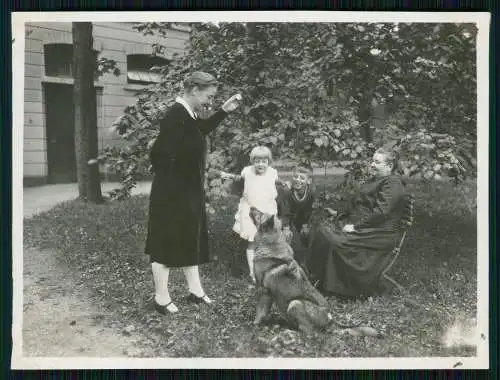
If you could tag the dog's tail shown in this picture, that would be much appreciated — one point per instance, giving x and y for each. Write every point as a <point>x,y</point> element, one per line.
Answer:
<point>353,329</point>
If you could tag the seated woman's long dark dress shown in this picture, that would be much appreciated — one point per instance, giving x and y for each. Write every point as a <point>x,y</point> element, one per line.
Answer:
<point>351,263</point>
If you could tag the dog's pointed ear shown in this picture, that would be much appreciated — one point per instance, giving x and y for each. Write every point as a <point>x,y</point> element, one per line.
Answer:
<point>256,216</point>
<point>268,221</point>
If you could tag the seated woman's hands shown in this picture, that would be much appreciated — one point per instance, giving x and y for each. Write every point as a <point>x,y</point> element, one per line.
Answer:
<point>331,211</point>
<point>348,228</point>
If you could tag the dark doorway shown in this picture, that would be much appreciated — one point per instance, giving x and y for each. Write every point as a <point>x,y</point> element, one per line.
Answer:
<point>60,127</point>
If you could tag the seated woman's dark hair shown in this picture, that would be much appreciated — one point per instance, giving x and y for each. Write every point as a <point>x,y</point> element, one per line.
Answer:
<point>199,79</point>
<point>392,157</point>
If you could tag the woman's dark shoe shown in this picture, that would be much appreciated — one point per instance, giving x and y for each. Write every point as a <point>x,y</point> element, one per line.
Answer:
<point>169,308</point>
<point>203,299</point>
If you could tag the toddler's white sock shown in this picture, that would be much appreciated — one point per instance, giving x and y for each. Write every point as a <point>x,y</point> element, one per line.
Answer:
<point>250,257</point>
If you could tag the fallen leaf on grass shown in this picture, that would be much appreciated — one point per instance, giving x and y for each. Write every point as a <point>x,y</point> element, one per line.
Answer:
<point>363,331</point>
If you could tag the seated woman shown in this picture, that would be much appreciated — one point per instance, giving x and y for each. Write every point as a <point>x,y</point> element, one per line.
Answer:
<point>295,206</point>
<point>350,262</point>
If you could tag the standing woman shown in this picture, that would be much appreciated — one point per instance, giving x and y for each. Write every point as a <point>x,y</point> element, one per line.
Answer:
<point>177,228</point>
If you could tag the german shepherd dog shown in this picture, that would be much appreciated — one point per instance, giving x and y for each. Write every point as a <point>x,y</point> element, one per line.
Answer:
<point>280,279</point>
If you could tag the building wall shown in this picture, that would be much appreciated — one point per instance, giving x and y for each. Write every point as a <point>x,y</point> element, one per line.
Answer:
<point>115,41</point>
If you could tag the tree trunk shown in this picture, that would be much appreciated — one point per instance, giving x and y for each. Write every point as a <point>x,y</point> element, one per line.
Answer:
<point>85,104</point>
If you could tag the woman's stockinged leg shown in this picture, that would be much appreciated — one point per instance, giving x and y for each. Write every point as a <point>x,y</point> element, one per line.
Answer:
<point>162,295</point>
<point>194,283</point>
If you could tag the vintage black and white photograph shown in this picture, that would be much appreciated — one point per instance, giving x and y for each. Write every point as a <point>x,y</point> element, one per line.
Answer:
<point>250,190</point>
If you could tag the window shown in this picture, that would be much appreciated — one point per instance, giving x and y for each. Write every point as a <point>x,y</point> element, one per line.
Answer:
<point>139,68</point>
<point>59,60</point>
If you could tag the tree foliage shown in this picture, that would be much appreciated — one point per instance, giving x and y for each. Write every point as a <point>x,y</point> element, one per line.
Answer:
<point>310,90</point>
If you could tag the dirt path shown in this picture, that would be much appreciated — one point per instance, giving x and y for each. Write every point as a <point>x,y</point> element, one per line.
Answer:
<point>59,318</point>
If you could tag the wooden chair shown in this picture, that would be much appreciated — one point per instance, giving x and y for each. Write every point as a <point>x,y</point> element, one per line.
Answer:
<point>406,223</point>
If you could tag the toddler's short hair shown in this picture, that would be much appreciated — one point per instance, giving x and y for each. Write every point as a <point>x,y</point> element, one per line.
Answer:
<point>261,152</point>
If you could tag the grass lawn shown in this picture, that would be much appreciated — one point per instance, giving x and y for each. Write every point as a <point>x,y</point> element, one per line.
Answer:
<point>104,245</point>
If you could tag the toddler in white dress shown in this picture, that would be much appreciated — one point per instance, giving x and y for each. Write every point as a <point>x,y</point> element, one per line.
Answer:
<point>259,191</point>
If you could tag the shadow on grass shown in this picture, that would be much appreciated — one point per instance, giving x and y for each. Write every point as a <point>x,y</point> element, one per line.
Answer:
<point>104,245</point>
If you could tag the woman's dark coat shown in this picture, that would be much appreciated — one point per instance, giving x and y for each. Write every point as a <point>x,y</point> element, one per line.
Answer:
<point>350,264</point>
<point>177,229</point>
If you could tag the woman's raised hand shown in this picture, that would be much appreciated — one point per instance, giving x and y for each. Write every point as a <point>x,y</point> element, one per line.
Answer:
<point>232,103</point>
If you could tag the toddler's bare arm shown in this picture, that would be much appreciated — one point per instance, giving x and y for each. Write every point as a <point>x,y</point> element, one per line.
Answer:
<point>226,175</point>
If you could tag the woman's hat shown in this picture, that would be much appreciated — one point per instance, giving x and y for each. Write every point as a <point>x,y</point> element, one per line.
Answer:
<point>200,78</point>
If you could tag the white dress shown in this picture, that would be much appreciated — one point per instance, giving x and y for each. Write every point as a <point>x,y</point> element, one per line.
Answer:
<point>260,192</point>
